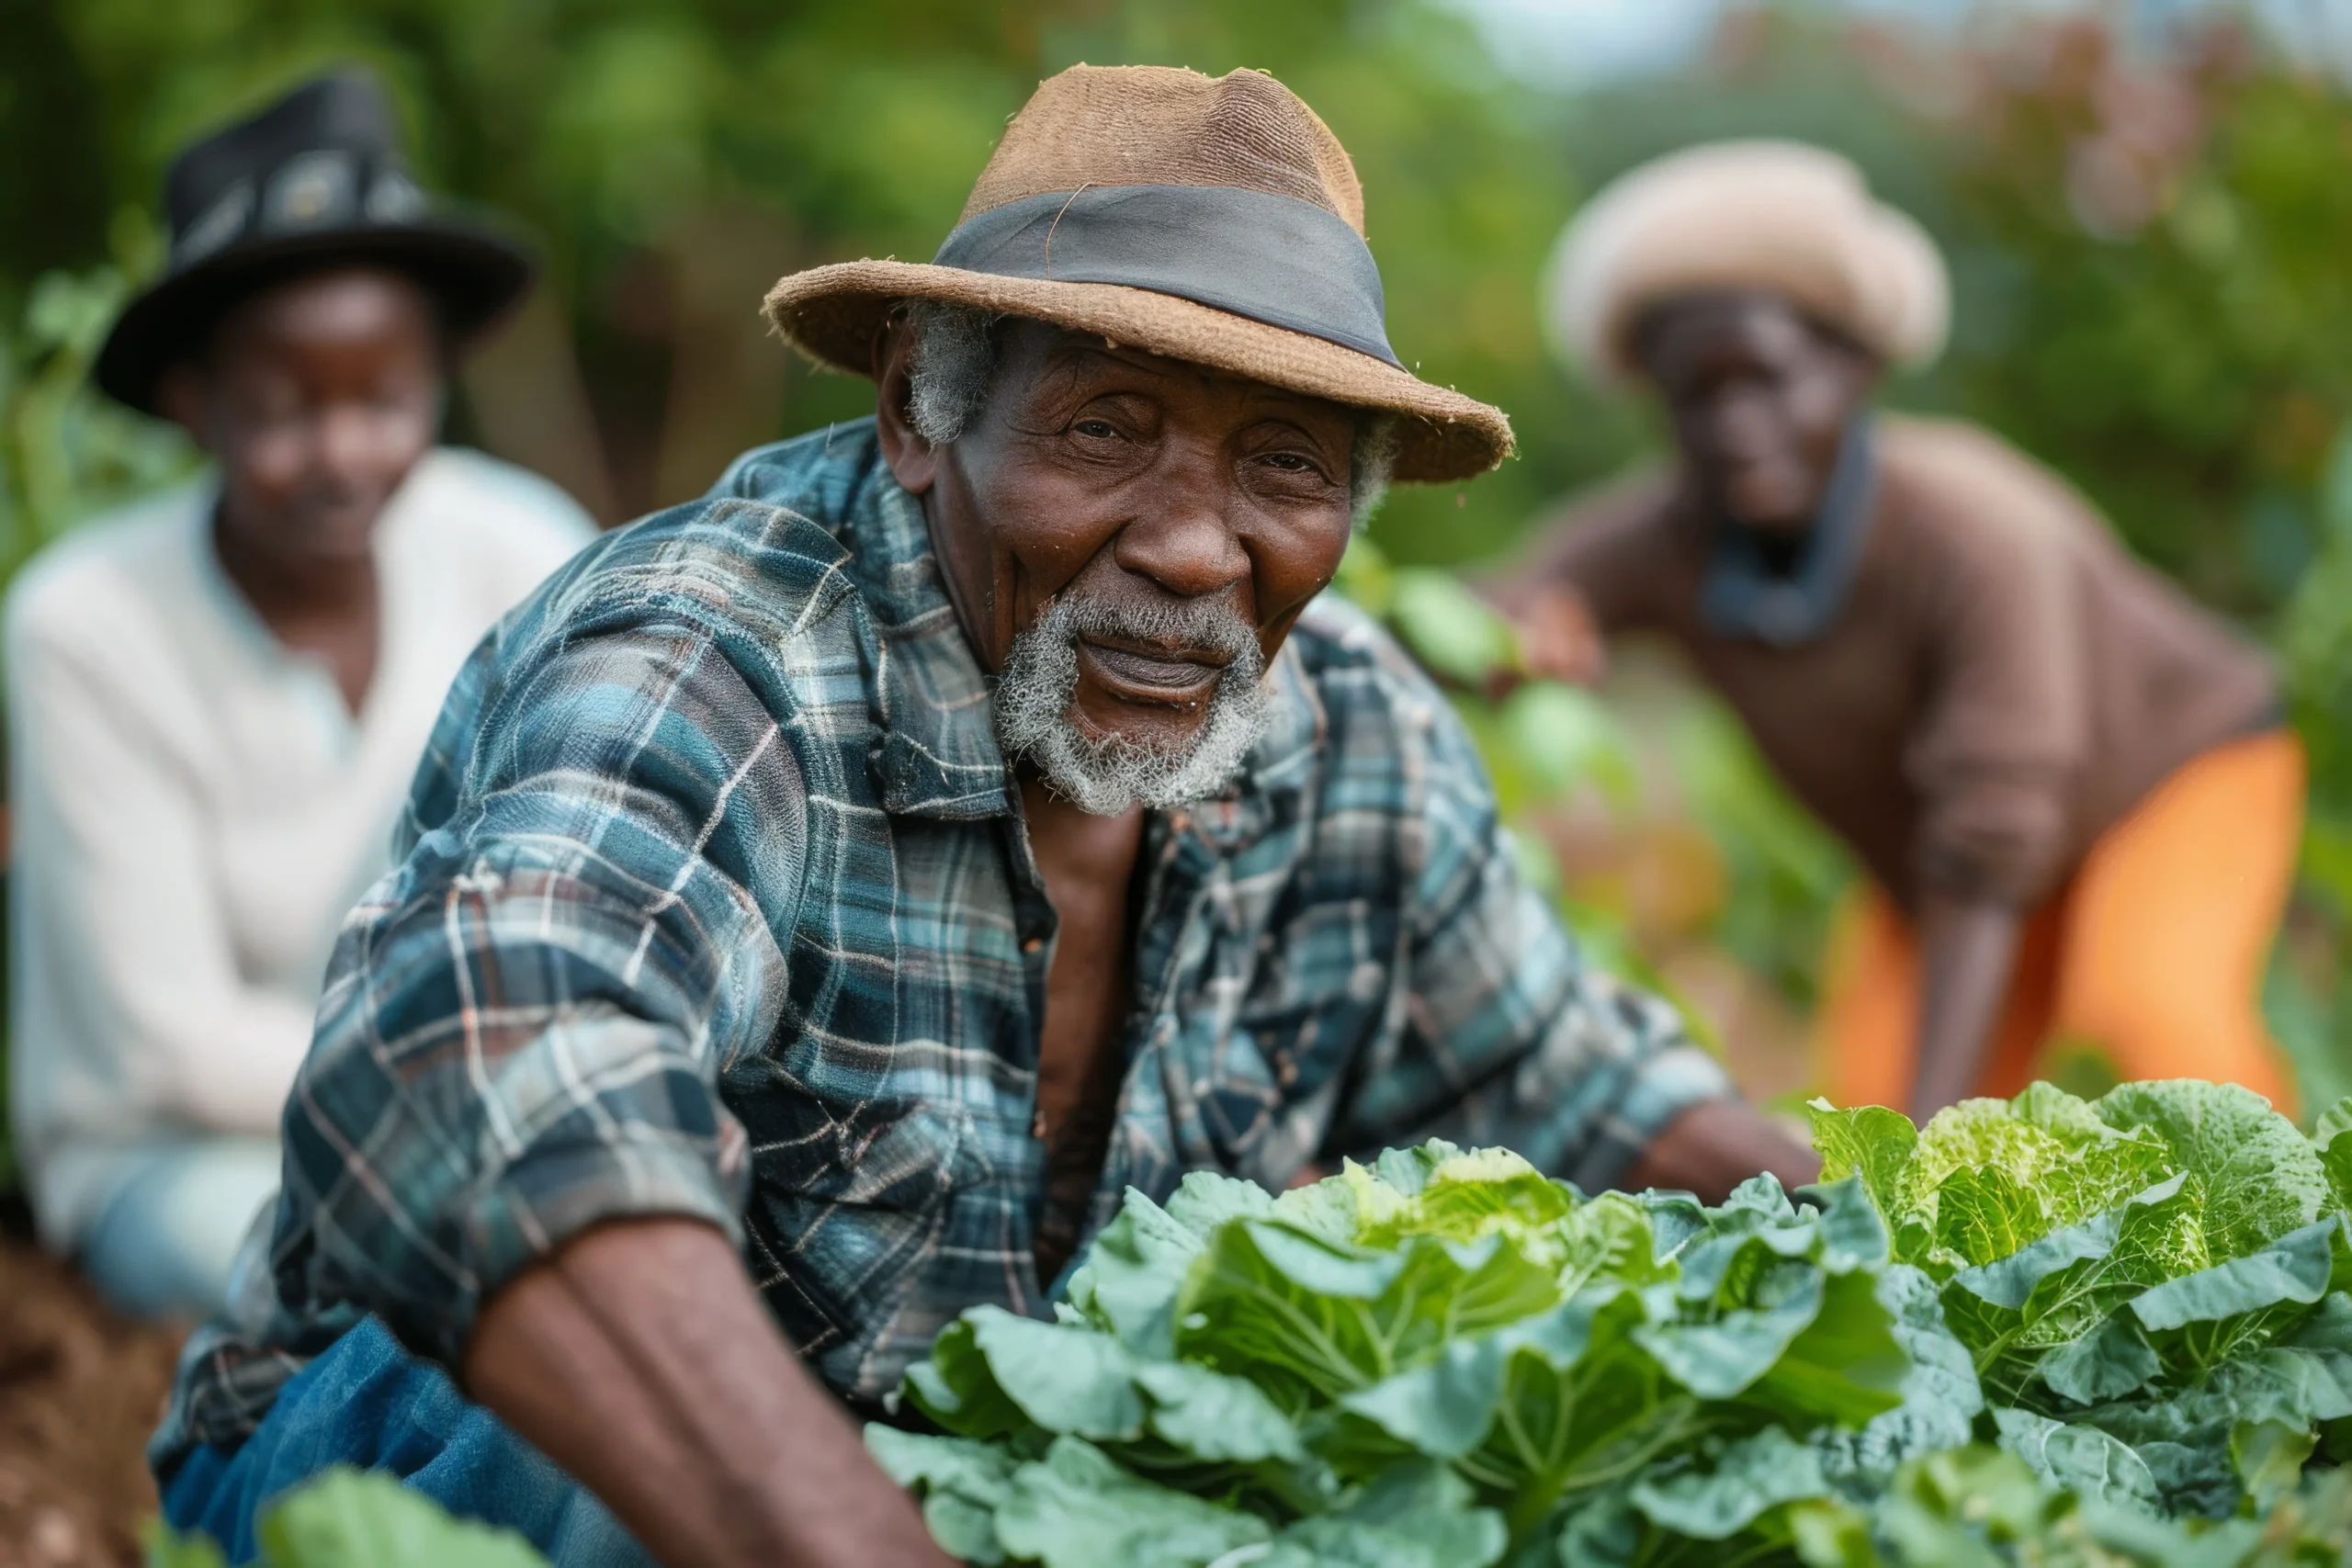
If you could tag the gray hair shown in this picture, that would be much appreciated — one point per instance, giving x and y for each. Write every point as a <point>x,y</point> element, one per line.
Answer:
<point>955,364</point>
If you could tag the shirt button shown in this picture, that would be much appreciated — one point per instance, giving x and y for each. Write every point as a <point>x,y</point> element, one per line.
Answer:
<point>1033,944</point>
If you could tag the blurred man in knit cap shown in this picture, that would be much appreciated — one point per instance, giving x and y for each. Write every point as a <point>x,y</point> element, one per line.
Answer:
<point>216,697</point>
<point>2073,793</point>
<point>824,900</point>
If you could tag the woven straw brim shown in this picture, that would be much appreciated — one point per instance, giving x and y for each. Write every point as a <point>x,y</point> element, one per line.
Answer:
<point>832,313</point>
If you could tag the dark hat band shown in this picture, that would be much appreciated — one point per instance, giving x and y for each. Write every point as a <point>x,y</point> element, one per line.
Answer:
<point>1274,259</point>
<point>320,189</point>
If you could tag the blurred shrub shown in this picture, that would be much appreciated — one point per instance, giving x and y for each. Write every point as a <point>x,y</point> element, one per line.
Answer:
<point>66,452</point>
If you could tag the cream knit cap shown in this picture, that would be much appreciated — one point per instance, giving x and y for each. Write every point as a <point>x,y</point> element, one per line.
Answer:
<point>1779,216</point>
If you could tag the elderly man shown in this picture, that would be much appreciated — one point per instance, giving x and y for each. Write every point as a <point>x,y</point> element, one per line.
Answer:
<point>2072,790</point>
<point>823,900</point>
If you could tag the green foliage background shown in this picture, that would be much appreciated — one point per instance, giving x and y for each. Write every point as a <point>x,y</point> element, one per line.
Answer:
<point>2148,254</point>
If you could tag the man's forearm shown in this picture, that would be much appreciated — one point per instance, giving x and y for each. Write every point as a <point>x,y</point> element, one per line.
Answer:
<point>1718,1143</point>
<point>1968,952</point>
<point>640,1359</point>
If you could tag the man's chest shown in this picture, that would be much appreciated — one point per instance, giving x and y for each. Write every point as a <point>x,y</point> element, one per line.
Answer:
<point>900,1174</point>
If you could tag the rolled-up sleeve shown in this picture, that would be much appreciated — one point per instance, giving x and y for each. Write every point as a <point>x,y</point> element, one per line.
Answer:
<point>1509,1037</point>
<point>524,1021</point>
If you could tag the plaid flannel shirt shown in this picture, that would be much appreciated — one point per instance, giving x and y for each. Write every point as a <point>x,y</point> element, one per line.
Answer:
<point>715,900</point>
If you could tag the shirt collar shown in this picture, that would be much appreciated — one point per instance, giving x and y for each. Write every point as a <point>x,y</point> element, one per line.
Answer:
<point>937,753</point>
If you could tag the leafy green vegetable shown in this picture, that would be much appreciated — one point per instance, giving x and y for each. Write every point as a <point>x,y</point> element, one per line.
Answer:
<point>349,1518</point>
<point>1443,1357</point>
<point>2149,1286</point>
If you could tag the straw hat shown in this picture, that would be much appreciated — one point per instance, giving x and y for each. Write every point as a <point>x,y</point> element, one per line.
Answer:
<point>1214,221</point>
<point>1779,216</point>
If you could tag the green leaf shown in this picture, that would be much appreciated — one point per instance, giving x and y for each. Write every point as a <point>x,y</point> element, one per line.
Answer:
<point>1415,1516</point>
<point>348,1518</point>
<point>2332,1136</point>
<point>960,1482</point>
<point>1446,1407</point>
<point>2034,1165</point>
<point>1065,1379</point>
<point>1079,1508</point>
<point>2261,1177</point>
<point>2200,1320</point>
<point>1307,1320</point>
<point>1564,737</point>
<point>2082,1459</point>
<point>1749,1478</point>
<point>2302,1378</point>
<point>2045,1310</point>
<point>920,1462</point>
<point>1214,1418</point>
<point>1869,1142</point>
<point>1468,1197</point>
<point>1128,1283</point>
<point>1941,1396</point>
<point>2269,1458</point>
<point>1450,629</point>
<point>2111,1360</point>
<point>167,1548</point>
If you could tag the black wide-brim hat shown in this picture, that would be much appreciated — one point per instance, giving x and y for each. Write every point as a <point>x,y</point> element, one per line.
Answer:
<point>313,182</point>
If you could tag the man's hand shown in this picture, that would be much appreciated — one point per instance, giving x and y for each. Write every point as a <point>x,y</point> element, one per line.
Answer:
<point>1718,1143</point>
<point>640,1359</point>
<point>1558,638</point>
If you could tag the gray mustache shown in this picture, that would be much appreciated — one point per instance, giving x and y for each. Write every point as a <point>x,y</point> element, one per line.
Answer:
<point>1209,625</point>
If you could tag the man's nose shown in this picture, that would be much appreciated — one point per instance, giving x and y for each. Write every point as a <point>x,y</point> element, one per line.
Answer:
<point>347,445</point>
<point>1185,540</point>
<point>1739,426</point>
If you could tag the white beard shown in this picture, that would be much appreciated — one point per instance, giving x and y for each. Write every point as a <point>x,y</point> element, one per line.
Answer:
<point>1110,774</point>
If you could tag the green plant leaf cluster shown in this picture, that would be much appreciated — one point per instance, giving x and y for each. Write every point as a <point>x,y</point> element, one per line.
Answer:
<point>2150,1285</point>
<point>1983,1507</point>
<point>349,1518</point>
<point>1443,1357</point>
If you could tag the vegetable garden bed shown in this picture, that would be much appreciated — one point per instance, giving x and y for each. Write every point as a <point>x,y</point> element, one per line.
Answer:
<point>2046,1331</point>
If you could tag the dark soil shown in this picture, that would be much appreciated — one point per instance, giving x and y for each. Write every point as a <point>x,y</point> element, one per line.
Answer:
<point>81,1387</point>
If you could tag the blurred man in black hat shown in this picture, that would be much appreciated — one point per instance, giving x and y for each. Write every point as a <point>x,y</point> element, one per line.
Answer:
<point>216,698</point>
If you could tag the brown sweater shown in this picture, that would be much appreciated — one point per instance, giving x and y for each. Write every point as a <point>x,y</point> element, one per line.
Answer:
<point>2002,686</point>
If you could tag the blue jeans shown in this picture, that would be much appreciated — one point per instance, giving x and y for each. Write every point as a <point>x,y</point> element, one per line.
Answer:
<point>163,1243</point>
<point>369,1404</point>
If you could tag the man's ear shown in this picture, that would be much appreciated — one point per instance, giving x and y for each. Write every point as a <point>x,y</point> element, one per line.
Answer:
<point>914,460</point>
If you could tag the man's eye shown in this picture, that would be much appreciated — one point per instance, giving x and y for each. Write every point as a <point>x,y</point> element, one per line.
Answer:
<point>1289,462</point>
<point>1095,429</point>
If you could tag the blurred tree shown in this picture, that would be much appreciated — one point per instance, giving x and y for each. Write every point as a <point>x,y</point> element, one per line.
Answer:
<point>2174,312</point>
<point>674,156</point>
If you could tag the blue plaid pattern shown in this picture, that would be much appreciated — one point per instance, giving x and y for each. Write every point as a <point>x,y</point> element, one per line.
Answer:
<point>714,900</point>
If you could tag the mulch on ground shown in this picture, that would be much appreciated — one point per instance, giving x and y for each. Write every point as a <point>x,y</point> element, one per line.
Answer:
<point>81,1387</point>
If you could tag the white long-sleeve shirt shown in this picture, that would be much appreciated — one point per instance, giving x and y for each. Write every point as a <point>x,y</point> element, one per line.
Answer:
<point>196,809</point>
